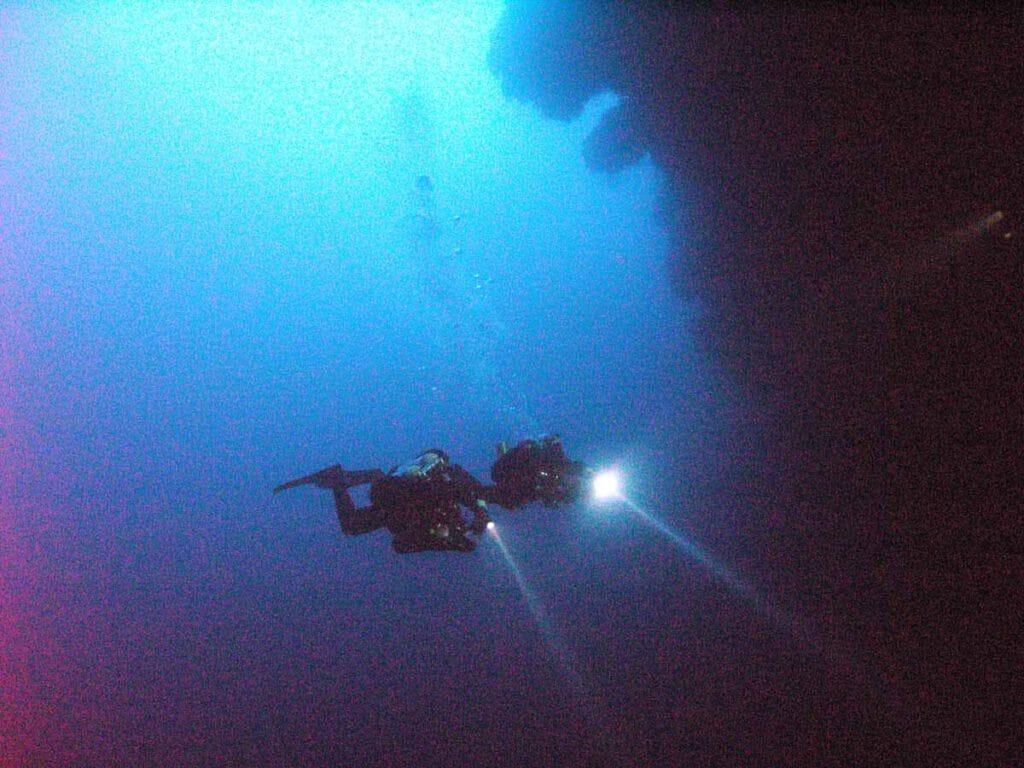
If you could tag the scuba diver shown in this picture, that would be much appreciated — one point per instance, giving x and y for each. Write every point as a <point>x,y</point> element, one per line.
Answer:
<point>419,502</point>
<point>433,264</point>
<point>424,229</point>
<point>537,469</point>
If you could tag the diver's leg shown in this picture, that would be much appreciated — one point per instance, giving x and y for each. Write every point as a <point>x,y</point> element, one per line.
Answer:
<point>355,521</point>
<point>408,542</point>
<point>365,520</point>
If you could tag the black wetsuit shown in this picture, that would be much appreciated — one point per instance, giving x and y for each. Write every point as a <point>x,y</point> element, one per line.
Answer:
<point>420,503</point>
<point>536,470</point>
<point>425,512</point>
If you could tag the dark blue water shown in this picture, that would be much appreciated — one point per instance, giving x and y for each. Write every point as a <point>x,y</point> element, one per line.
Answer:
<point>215,278</point>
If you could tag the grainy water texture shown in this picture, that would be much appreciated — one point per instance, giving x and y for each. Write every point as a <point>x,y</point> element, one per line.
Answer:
<point>218,272</point>
<point>765,263</point>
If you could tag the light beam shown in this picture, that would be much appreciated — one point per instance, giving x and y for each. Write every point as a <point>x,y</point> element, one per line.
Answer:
<point>564,657</point>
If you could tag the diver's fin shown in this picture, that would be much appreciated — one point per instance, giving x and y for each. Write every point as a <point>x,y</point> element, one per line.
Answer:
<point>333,477</point>
<point>361,477</point>
<point>329,477</point>
<point>294,483</point>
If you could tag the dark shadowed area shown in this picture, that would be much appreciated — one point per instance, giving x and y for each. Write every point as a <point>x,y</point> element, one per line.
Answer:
<point>844,197</point>
<point>765,264</point>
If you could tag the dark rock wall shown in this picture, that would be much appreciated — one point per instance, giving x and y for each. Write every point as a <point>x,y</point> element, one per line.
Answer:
<point>844,190</point>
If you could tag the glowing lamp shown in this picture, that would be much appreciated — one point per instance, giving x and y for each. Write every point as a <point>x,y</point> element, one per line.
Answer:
<point>606,485</point>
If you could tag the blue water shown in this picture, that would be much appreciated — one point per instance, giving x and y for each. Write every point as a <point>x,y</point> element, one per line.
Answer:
<point>214,283</point>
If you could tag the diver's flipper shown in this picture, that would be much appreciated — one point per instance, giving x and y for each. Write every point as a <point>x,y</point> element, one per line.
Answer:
<point>333,477</point>
<point>329,477</point>
<point>361,477</point>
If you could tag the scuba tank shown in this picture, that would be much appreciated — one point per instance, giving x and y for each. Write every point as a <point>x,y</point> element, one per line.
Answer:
<point>423,465</point>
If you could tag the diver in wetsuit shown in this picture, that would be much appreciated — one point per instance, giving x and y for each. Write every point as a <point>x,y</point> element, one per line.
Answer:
<point>420,502</point>
<point>537,469</point>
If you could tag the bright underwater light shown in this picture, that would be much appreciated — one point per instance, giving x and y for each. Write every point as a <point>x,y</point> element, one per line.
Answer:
<point>606,485</point>
<point>491,526</point>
